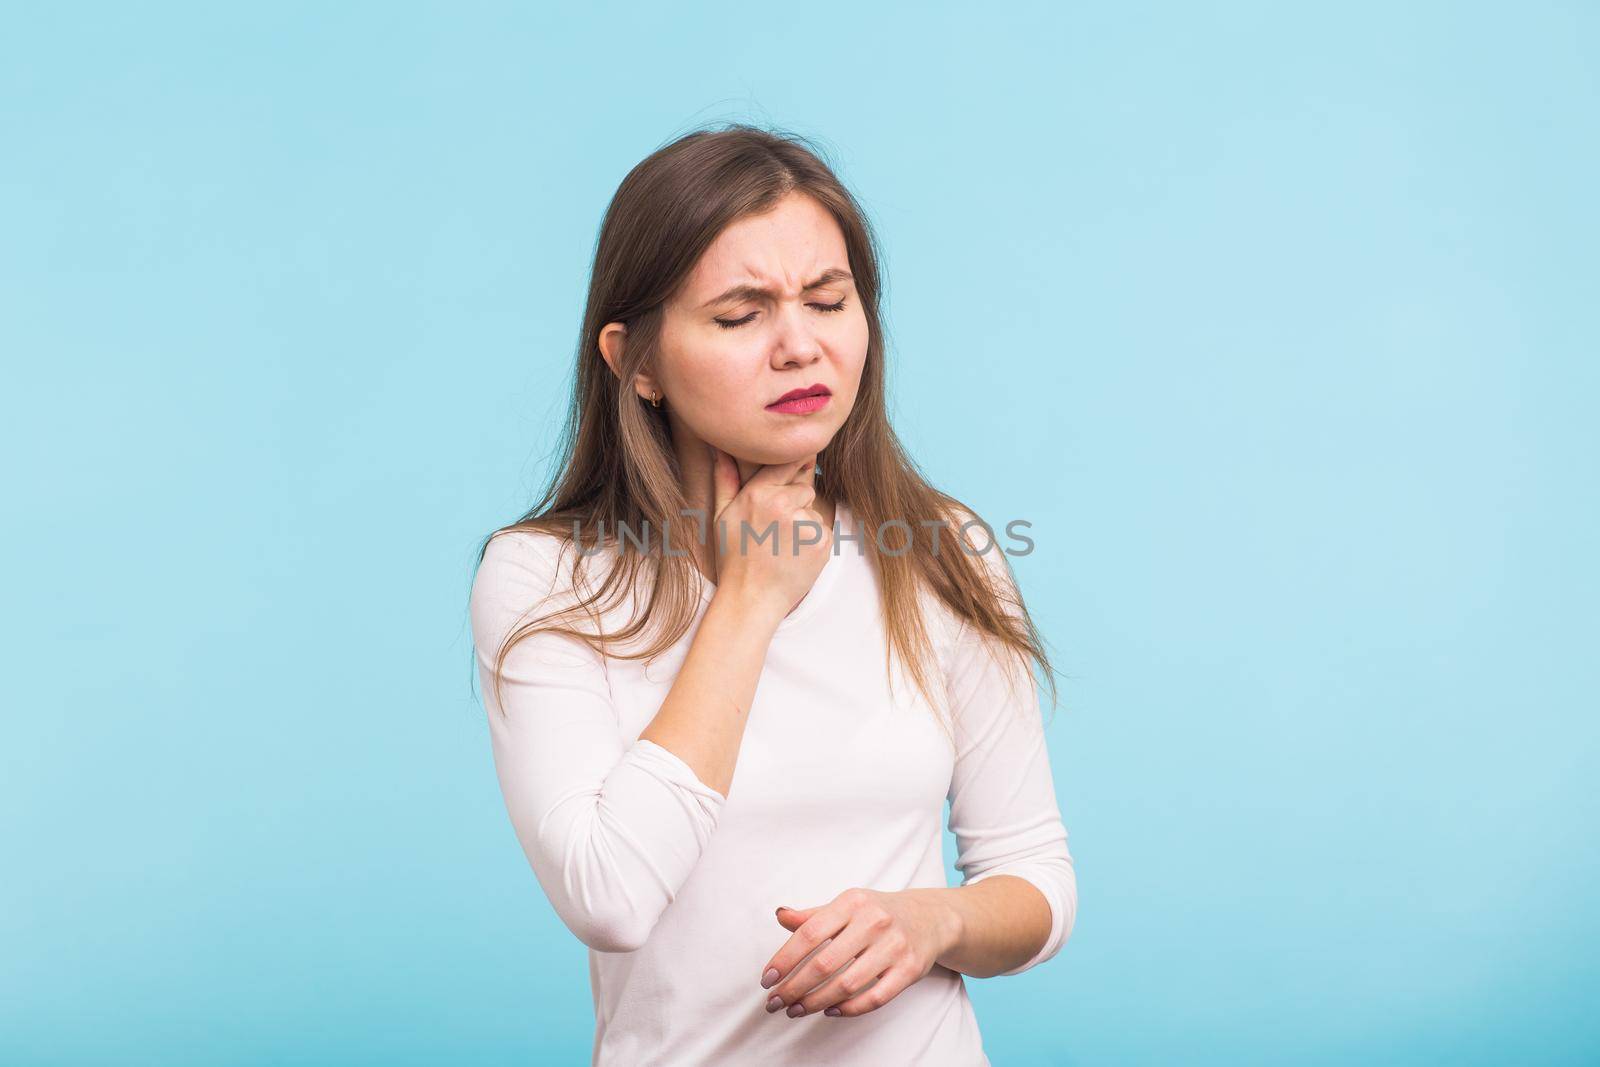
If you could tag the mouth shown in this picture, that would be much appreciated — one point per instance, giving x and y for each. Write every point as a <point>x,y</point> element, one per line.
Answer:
<point>813,393</point>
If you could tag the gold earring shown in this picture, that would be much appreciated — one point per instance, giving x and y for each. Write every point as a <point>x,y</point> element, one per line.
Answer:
<point>654,402</point>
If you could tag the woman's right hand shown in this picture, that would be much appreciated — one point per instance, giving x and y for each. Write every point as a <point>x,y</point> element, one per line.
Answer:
<point>777,495</point>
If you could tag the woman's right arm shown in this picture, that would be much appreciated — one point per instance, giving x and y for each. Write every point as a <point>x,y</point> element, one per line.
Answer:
<point>703,718</point>
<point>611,829</point>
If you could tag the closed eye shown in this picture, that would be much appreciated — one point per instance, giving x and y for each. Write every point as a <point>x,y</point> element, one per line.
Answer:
<point>729,324</point>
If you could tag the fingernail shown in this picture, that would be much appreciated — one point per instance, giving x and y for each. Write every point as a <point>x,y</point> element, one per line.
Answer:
<point>832,1011</point>
<point>770,977</point>
<point>774,1002</point>
<point>796,1010</point>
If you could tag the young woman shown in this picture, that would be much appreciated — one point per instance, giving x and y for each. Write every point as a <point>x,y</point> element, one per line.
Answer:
<point>726,758</point>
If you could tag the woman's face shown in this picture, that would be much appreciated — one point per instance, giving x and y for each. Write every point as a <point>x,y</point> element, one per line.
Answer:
<point>728,351</point>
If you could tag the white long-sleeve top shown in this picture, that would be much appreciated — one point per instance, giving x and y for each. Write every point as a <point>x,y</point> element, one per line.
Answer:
<point>840,782</point>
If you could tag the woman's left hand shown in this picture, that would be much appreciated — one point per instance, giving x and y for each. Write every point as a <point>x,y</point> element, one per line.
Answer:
<point>895,938</point>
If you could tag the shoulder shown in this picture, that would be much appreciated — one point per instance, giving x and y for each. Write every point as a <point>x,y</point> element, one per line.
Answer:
<point>526,544</point>
<point>984,549</point>
<point>522,569</point>
<point>520,554</point>
<point>981,543</point>
<point>964,535</point>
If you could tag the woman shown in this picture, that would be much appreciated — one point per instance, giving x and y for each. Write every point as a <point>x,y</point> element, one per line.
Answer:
<point>726,759</point>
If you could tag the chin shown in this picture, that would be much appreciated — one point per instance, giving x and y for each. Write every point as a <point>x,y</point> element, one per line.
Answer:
<point>767,450</point>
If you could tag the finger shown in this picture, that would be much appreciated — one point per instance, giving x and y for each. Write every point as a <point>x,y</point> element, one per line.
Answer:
<point>888,986</point>
<point>806,529</point>
<point>807,472</point>
<point>797,496</point>
<point>832,957</point>
<point>824,923</point>
<point>724,480</point>
<point>850,982</point>
<point>779,473</point>
<point>814,523</point>
<point>724,487</point>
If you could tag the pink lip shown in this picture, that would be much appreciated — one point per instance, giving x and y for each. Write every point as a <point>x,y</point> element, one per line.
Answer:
<point>802,401</point>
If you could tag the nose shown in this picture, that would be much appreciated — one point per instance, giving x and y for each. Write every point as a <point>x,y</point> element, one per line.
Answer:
<point>796,343</point>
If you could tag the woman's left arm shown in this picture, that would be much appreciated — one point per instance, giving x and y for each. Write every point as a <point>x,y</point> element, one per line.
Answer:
<point>1018,900</point>
<point>1000,925</point>
<point>1005,819</point>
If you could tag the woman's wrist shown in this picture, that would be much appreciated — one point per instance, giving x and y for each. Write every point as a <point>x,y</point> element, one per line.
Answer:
<point>954,922</point>
<point>754,607</point>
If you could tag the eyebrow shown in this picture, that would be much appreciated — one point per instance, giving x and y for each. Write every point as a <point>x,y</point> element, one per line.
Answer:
<point>750,292</point>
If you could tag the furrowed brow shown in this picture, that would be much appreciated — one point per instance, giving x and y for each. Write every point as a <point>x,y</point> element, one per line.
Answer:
<point>753,292</point>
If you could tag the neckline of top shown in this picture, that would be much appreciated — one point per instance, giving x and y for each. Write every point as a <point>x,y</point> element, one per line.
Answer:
<point>844,521</point>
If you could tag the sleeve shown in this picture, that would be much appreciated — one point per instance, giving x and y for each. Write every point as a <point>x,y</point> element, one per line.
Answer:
<point>1003,808</point>
<point>612,829</point>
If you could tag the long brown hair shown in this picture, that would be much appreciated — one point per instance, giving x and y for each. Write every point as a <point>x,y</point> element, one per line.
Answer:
<point>616,465</point>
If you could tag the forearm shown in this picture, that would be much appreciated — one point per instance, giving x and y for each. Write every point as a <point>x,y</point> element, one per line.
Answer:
<point>703,718</point>
<point>997,924</point>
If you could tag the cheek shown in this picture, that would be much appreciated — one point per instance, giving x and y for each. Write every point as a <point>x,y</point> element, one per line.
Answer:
<point>853,346</point>
<point>713,371</point>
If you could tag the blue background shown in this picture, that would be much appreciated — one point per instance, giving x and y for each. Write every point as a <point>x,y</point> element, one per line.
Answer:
<point>1279,326</point>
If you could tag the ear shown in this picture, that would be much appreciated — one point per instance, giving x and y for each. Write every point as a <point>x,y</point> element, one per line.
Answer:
<point>613,342</point>
<point>645,384</point>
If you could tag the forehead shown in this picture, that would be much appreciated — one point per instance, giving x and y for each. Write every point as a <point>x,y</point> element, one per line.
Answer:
<point>788,245</point>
